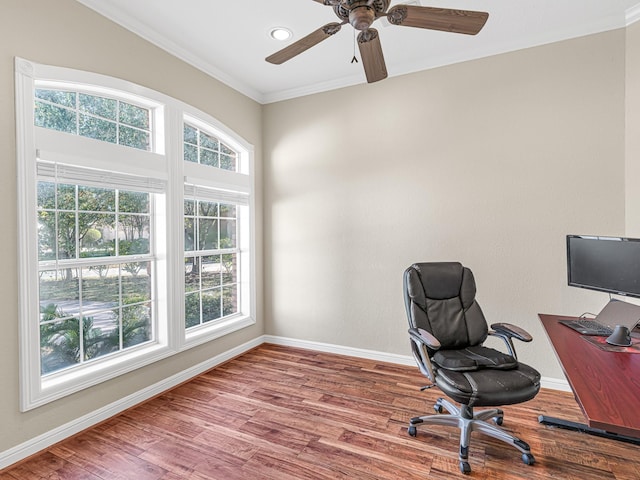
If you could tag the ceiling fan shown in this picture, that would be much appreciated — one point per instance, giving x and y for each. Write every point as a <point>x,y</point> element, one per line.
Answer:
<point>362,13</point>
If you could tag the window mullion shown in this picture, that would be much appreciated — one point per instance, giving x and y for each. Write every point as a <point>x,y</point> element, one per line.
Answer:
<point>77,114</point>
<point>80,318</point>
<point>76,219</point>
<point>118,122</point>
<point>172,144</point>
<point>120,309</point>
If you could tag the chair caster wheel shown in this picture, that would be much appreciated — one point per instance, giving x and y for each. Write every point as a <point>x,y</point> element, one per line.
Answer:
<point>412,431</point>
<point>438,408</point>
<point>499,420</point>
<point>528,459</point>
<point>465,467</point>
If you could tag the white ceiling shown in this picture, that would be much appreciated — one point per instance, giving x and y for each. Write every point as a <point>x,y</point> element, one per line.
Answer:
<point>230,39</point>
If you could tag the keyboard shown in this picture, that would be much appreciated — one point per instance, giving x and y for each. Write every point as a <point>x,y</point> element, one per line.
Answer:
<point>588,327</point>
<point>595,327</point>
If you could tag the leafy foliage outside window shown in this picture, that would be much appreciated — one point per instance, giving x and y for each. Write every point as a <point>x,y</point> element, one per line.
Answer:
<point>211,261</point>
<point>76,221</point>
<point>200,147</point>
<point>62,345</point>
<point>93,116</point>
<point>93,302</point>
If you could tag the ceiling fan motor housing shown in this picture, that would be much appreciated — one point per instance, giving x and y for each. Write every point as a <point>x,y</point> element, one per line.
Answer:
<point>361,13</point>
<point>361,18</point>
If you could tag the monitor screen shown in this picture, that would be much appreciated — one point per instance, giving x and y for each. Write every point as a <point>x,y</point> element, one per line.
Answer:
<point>607,264</point>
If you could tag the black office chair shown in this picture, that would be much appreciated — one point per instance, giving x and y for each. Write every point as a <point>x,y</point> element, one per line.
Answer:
<point>447,330</point>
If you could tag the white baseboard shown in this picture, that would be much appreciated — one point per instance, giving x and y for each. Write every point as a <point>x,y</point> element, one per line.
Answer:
<point>41,442</point>
<point>341,350</point>
<point>555,384</point>
<point>545,382</point>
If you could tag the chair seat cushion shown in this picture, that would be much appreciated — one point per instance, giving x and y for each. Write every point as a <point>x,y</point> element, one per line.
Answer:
<point>490,387</point>
<point>473,358</point>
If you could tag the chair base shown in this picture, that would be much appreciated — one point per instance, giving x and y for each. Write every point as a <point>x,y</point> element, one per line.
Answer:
<point>467,421</point>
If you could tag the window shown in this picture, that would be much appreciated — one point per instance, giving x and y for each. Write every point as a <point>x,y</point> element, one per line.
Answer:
<point>106,284</point>
<point>94,272</point>
<point>211,261</point>
<point>93,116</point>
<point>201,147</point>
<point>211,231</point>
<point>216,218</point>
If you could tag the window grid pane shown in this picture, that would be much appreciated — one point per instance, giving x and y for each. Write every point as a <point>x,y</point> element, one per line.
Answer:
<point>105,119</point>
<point>205,149</point>
<point>98,106</point>
<point>93,302</point>
<point>55,117</point>
<point>210,262</point>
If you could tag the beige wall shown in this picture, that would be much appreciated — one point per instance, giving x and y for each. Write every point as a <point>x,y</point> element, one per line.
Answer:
<point>633,130</point>
<point>65,33</point>
<point>490,162</point>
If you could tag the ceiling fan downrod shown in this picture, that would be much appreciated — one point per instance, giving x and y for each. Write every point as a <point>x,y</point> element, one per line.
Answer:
<point>359,13</point>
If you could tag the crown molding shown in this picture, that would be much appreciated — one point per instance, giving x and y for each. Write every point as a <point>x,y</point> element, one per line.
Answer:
<point>313,88</point>
<point>604,24</point>
<point>633,14</point>
<point>548,37</point>
<point>156,38</point>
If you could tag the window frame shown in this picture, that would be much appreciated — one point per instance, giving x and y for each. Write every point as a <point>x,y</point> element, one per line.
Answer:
<point>227,183</point>
<point>165,161</point>
<point>81,263</point>
<point>106,94</point>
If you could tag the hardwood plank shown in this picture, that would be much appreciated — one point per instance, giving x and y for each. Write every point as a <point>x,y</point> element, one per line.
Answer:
<point>281,413</point>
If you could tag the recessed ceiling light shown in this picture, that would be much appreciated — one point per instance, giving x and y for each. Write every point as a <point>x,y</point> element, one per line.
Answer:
<point>280,33</point>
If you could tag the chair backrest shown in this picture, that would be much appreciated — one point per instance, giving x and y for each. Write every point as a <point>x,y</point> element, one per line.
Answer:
<point>440,298</point>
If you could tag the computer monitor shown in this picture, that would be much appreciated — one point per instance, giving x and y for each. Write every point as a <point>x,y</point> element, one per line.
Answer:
<point>606,264</point>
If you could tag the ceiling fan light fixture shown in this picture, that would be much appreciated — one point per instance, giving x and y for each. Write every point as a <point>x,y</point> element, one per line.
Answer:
<point>280,33</point>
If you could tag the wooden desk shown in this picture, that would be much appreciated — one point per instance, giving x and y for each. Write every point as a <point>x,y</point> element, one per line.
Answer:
<point>606,384</point>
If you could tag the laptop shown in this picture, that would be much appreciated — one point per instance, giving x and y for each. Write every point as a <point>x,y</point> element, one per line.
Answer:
<point>616,312</point>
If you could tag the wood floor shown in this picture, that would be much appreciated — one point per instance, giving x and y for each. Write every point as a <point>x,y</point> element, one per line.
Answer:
<point>283,413</point>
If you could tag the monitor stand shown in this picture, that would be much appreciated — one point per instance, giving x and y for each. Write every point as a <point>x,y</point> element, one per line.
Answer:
<point>618,312</point>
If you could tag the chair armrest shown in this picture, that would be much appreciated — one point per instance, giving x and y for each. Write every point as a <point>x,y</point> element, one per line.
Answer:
<point>506,332</point>
<point>512,331</point>
<point>425,338</point>
<point>421,342</point>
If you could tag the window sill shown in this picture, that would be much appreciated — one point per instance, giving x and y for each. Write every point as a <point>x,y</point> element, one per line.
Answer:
<point>206,333</point>
<point>58,385</point>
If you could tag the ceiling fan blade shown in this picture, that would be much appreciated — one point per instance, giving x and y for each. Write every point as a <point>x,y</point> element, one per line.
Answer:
<point>372,57</point>
<point>304,43</point>
<point>447,20</point>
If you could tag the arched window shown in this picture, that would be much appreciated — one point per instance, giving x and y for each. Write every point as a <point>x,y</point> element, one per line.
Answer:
<point>109,173</point>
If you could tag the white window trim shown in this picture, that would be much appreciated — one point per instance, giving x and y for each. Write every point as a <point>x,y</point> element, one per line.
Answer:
<point>171,335</point>
<point>204,332</point>
<point>242,182</point>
